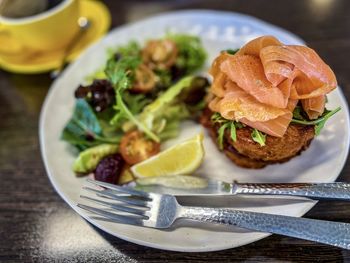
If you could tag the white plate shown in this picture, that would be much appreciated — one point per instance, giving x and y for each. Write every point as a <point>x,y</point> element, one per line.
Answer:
<point>322,162</point>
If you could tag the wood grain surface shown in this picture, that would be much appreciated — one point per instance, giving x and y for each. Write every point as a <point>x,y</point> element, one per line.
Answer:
<point>37,226</point>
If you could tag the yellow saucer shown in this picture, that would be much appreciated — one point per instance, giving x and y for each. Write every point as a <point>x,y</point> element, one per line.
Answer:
<point>38,62</point>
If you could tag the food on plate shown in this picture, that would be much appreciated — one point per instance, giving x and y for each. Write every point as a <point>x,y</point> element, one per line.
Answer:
<point>180,159</point>
<point>135,147</point>
<point>126,109</point>
<point>126,176</point>
<point>267,101</point>
<point>109,168</point>
<point>88,159</point>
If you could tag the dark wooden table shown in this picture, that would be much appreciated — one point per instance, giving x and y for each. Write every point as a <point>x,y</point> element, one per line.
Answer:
<point>37,225</point>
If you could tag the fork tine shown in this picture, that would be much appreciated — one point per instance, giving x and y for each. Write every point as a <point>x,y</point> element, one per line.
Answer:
<point>118,207</point>
<point>114,217</point>
<point>125,199</point>
<point>101,218</point>
<point>119,188</point>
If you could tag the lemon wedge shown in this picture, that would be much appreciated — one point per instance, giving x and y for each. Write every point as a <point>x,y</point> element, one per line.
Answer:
<point>182,158</point>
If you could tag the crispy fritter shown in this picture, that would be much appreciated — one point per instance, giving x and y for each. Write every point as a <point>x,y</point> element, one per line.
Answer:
<point>249,154</point>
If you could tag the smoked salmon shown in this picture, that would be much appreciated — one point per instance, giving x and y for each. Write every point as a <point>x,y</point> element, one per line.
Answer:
<point>261,84</point>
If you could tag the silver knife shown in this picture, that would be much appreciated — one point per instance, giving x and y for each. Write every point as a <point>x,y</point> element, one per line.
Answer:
<point>334,191</point>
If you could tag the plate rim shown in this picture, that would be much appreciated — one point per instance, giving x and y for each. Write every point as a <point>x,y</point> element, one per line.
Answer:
<point>45,104</point>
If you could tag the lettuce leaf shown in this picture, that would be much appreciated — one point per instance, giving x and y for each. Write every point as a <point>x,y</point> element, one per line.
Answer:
<point>84,130</point>
<point>192,55</point>
<point>120,74</point>
<point>164,114</point>
<point>164,107</point>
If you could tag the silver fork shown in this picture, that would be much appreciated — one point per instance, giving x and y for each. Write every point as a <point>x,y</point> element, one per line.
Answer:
<point>161,211</point>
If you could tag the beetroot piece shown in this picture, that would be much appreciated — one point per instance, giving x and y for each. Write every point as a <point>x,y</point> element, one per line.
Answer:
<point>100,94</point>
<point>109,168</point>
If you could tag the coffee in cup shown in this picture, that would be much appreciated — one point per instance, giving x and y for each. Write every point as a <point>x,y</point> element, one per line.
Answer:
<point>46,27</point>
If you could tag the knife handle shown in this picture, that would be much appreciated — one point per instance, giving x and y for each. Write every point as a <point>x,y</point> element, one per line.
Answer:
<point>326,232</point>
<point>333,191</point>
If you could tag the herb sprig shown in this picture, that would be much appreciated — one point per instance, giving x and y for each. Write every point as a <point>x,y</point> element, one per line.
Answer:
<point>298,117</point>
<point>259,137</point>
<point>225,124</point>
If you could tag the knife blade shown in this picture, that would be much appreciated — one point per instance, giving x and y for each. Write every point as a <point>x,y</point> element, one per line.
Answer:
<point>207,187</point>
<point>332,191</point>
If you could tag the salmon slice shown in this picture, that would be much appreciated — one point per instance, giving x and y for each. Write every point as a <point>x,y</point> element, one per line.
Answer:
<point>314,107</point>
<point>238,104</point>
<point>215,66</point>
<point>248,72</point>
<point>272,71</point>
<point>218,85</point>
<point>311,67</point>
<point>214,104</point>
<point>277,71</point>
<point>292,104</point>
<point>253,47</point>
<point>276,127</point>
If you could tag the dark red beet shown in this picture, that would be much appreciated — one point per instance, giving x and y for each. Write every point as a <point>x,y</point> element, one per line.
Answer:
<point>100,94</point>
<point>109,169</point>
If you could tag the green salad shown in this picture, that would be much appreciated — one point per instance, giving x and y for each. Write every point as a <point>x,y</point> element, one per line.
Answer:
<point>125,110</point>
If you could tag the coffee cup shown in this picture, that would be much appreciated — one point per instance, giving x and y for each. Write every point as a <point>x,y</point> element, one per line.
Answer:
<point>49,30</point>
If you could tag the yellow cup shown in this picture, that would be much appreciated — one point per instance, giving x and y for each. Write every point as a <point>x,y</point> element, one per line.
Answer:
<point>50,30</point>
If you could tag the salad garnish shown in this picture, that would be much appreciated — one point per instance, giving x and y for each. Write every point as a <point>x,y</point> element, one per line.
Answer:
<point>127,109</point>
<point>299,117</point>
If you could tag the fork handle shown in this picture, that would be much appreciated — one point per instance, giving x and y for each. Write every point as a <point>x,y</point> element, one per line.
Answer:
<point>338,191</point>
<point>327,232</point>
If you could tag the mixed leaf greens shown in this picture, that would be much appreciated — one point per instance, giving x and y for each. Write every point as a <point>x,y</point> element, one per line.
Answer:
<point>84,130</point>
<point>165,113</point>
<point>191,56</point>
<point>120,74</point>
<point>157,114</point>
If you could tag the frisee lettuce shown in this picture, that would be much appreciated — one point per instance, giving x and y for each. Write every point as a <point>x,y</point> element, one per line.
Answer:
<point>136,102</point>
<point>120,74</point>
<point>124,112</point>
<point>191,54</point>
<point>131,49</point>
<point>163,110</point>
